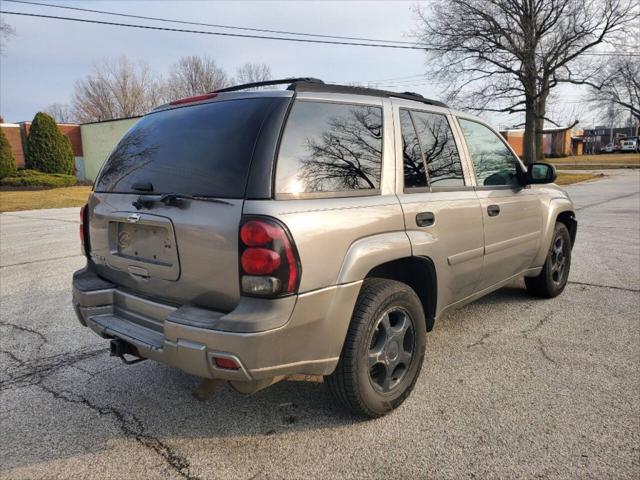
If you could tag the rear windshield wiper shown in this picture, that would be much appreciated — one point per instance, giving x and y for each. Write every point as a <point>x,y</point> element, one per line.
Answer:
<point>172,199</point>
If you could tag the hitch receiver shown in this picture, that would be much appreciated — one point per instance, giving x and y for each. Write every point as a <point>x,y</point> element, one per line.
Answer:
<point>119,348</point>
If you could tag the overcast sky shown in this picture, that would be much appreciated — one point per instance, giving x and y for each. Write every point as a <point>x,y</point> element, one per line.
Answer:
<point>43,60</point>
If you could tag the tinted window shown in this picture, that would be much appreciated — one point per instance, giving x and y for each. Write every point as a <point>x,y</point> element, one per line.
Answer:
<point>198,150</point>
<point>414,172</point>
<point>444,168</point>
<point>330,147</point>
<point>493,161</point>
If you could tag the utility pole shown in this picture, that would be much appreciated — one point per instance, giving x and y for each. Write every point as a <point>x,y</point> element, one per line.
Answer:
<point>611,122</point>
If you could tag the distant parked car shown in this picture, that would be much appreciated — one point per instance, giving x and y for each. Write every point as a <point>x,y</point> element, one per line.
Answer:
<point>609,148</point>
<point>629,145</point>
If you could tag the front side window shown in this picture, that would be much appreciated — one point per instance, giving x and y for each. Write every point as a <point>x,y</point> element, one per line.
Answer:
<point>330,147</point>
<point>494,163</point>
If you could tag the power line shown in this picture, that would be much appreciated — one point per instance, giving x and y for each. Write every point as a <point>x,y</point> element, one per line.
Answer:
<point>267,37</point>
<point>231,27</point>
<point>205,32</point>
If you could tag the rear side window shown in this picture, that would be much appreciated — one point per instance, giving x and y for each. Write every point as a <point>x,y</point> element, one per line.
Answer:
<point>200,150</point>
<point>330,148</point>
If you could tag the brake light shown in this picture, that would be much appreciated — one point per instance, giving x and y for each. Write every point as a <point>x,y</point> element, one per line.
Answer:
<point>83,230</point>
<point>259,261</point>
<point>269,263</point>
<point>196,98</point>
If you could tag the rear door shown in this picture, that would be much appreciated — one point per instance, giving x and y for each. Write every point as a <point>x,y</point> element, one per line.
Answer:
<point>180,250</point>
<point>442,213</point>
<point>512,214</point>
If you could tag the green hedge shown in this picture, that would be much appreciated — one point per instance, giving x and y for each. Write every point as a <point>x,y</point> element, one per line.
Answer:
<point>48,150</point>
<point>7,162</point>
<point>33,178</point>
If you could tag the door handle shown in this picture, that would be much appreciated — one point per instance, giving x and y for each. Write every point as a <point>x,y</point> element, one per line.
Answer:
<point>425,219</point>
<point>493,210</point>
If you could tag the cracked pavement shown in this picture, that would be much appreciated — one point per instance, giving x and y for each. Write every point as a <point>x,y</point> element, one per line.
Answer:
<point>512,386</point>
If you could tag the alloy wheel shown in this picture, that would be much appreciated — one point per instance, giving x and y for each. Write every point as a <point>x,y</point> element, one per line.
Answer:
<point>558,260</point>
<point>391,349</point>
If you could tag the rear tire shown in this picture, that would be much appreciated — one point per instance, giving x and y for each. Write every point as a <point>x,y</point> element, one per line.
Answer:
<point>555,273</point>
<point>384,349</point>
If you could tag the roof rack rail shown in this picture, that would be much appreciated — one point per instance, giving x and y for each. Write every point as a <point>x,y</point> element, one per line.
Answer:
<point>267,83</point>
<point>302,86</point>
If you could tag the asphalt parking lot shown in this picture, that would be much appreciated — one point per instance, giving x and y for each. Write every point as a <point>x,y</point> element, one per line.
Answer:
<point>512,386</point>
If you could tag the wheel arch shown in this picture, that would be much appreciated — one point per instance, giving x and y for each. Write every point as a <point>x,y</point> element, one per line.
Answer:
<point>568,218</point>
<point>419,273</point>
<point>560,210</point>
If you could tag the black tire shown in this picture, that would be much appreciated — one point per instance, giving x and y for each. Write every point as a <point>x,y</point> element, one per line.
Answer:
<point>377,328</point>
<point>555,273</point>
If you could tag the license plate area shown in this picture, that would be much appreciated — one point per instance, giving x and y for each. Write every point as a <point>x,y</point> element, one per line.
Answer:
<point>143,245</point>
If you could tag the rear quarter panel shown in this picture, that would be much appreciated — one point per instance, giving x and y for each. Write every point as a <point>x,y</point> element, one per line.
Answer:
<point>324,230</point>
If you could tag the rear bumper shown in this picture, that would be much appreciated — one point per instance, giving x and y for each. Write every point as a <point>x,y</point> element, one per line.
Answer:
<point>266,338</point>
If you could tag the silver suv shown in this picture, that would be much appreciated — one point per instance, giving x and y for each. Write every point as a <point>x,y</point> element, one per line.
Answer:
<point>322,230</point>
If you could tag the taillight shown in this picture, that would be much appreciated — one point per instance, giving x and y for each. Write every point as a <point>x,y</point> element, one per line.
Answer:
<point>269,263</point>
<point>84,239</point>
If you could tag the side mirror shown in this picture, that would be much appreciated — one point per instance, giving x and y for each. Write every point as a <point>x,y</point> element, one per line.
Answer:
<point>540,173</point>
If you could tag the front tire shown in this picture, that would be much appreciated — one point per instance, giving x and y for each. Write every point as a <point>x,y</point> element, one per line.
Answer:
<point>384,349</point>
<point>555,273</point>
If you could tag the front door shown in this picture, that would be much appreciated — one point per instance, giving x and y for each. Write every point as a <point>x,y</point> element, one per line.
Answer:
<point>512,214</point>
<point>442,213</point>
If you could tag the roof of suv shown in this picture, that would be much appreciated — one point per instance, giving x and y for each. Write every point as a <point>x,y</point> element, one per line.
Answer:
<point>309,84</point>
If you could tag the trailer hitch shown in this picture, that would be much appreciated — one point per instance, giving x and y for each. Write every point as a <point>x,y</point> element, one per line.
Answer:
<point>119,348</point>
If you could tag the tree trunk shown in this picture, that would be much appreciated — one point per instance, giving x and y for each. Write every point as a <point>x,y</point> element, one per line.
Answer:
<point>539,139</point>
<point>541,110</point>
<point>529,140</point>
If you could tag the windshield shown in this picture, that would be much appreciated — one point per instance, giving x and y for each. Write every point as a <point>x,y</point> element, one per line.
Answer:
<point>202,150</point>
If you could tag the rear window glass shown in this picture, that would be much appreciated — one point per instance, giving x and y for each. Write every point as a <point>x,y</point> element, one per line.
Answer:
<point>200,150</point>
<point>330,147</point>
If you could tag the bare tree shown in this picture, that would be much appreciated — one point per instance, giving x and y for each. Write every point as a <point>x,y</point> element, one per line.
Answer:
<point>116,89</point>
<point>61,113</point>
<point>253,72</point>
<point>195,76</point>
<point>614,86</point>
<point>508,55</point>
<point>6,31</point>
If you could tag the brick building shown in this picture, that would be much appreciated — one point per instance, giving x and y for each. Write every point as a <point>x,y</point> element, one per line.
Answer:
<point>561,141</point>
<point>17,133</point>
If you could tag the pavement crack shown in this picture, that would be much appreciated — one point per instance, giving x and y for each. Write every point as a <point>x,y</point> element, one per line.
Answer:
<point>538,325</point>
<point>480,341</point>
<point>31,372</point>
<point>41,260</point>
<point>635,290</point>
<point>34,372</point>
<point>132,427</point>
<point>595,204</point>
<point>25,329</point>
<point>542,348</point>
<point>28,217</point>
<point>11,356</point>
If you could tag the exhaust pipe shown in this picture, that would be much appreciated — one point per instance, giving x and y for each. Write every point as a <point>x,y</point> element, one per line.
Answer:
<point>119,348</point>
